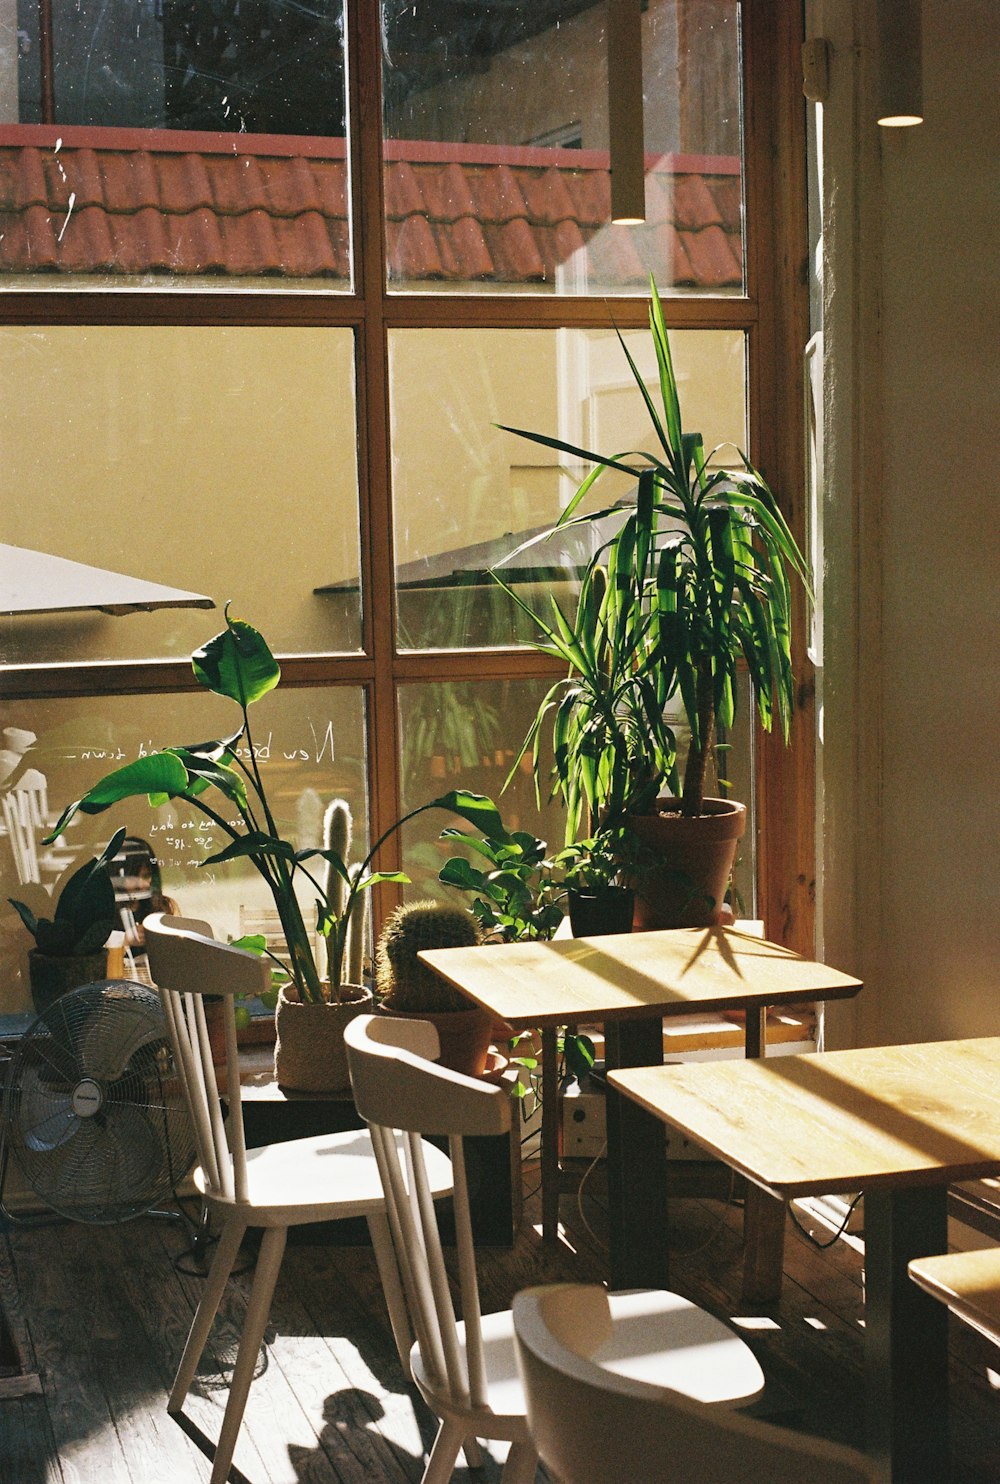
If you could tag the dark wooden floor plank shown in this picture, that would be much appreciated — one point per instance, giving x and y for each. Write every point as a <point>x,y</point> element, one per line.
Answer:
<point>27,1450</point>
<point>107,1314</point>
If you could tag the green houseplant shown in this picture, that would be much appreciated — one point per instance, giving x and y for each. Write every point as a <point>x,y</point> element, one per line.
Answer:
<point>594,874</point>
<point>696,581</point>
<point>222,776</point>
<point>409,987</point>
<point>70,946</point>
<point>516,898</point>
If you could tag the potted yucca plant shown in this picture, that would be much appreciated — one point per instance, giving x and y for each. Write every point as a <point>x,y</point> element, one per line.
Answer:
<point>695,582</point>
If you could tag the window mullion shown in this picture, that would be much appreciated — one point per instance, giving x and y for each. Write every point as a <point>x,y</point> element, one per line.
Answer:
<point>374,452</point>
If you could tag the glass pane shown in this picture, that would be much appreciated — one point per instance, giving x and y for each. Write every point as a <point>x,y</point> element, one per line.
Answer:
<point>218,461</point>
<point>465,734</point>
<point>161,142</point>
<point>496,129</point>
<point>310,746</point>
<point>466,494</point>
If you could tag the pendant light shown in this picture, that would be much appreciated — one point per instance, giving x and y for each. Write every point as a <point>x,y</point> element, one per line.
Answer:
<point>625,136</point>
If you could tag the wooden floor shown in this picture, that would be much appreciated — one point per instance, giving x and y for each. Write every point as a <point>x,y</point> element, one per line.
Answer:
<point>102,1312</point>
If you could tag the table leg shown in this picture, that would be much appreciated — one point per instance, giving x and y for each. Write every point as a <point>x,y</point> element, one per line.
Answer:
<point>637,1164</point>
<point>763,1213</point>
<point>906,1336</point>
<point>549,1155</point>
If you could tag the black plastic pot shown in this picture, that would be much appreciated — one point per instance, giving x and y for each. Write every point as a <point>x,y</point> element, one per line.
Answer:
<point>594,914</point>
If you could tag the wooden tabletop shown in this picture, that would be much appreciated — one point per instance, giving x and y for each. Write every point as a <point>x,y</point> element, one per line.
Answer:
<point>634,975</point>
<point>884,1116</point>
<point>968,1282</point>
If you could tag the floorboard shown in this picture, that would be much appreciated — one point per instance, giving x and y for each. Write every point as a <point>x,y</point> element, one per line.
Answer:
<point>102,1314</point>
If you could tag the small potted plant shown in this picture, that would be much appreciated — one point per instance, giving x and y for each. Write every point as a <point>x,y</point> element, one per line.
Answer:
<point>223,777</point>
<point>517,898</point>
<point>594,873</point>
<point>695,581</point>
<point>70,946</point>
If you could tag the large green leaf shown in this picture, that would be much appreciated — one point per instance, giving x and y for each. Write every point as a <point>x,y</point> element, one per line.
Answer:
<point>237,663</point>
<point>205,772</point>
<point>162,773</point>
<point>476,809</point>
<point>256,844</point>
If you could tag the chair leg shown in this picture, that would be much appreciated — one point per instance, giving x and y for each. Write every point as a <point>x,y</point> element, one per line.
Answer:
<point>473,1453</point>
<point>444,1454</point>
<point>208,1307</point>
<point>395,1301</point>
<point>272,1250</point>
<point>521,1465</point>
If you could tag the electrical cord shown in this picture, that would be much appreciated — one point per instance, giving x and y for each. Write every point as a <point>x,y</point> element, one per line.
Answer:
<point>595,1239</point>
<point>841,1229</point>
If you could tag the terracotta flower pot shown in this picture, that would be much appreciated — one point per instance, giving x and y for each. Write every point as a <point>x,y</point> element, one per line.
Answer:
<point>309,1052</point>
<point>688,888</point>
<point>465,1035</point>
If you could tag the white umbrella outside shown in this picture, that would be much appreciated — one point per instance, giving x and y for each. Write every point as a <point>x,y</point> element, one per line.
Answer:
<point>36,582</point>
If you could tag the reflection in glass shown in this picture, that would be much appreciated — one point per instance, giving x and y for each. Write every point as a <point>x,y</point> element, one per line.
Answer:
<point>310,747</point>
<point>496,130</point>
<point>467,494</point>
<point>219,460</point>
<point>465,734</point>
<point>219,65</point>
<point>189,144</point>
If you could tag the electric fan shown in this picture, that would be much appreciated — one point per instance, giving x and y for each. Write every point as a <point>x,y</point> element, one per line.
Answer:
<point>94,1111</point>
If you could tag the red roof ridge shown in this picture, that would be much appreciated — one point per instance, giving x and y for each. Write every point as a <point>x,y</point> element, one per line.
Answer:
<point>334,147</point>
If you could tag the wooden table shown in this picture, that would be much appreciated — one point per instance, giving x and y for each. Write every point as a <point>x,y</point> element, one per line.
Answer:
<point>968,1282</point>
<point>900,1123</point>
<point>630,981</point>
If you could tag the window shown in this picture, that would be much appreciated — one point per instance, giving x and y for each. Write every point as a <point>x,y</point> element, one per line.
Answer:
<point>258,322</point>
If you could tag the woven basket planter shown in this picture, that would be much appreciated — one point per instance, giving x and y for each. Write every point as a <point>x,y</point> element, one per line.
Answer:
<point>309,1053</point>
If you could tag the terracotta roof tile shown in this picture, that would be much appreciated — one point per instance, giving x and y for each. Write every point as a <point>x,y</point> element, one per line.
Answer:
<point>403,197</point>
<point>87,241</point>
<point>474,258</point>
<point>711,258</point>
<point>130,182</point>
<point>458,213</point>
<point>590,192</point>
<point>446,194</point>
<point>694,204</point>
<point>28,181</point>
<point>412,249</point>
<point>515,251</point>
<point>499,198</point>
<point>143,242</point>
<point>547,198</point>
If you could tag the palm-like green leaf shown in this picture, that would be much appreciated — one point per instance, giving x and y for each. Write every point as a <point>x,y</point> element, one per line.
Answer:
<point>665,613</point>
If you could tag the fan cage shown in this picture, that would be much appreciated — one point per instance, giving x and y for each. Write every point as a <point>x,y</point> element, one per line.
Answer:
<point>94,1110</point>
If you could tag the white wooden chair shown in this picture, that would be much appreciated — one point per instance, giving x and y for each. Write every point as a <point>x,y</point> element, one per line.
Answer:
<point>466,1371</point>
<point>324,1178</point>
<point>592,1424</point>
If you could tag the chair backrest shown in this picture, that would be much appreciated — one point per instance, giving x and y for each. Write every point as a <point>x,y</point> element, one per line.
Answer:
<point>186,963</point>
<point>18,815</point>
<point>401,1094</point>
<point>593,1426</point>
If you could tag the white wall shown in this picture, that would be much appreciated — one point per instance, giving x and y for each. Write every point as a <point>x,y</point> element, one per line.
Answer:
<point>911,693</point>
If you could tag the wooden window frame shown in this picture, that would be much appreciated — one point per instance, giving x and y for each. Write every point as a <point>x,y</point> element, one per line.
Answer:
<point>772,311</point>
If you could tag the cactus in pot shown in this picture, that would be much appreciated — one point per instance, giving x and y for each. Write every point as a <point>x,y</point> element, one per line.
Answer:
<point>401,978</point>
<point>409,987</point>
